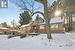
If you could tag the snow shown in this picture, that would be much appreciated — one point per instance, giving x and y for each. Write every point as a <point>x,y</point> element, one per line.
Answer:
<point>61,41</point>
<point>3,28</point>
<point>25,25</point>
<point>56,20</point>
<point>52,21</point>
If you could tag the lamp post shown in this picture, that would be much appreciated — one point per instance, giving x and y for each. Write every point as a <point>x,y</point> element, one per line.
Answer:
<point>44,2</point>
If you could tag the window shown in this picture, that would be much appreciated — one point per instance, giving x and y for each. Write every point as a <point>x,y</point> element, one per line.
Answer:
<point>54,26</point>
<point>41,27</point>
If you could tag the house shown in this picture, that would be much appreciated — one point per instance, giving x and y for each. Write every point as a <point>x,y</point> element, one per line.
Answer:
<point>57,24</point>
<point>4,30</point>
<point>39,25</point>
<point>25,28</point>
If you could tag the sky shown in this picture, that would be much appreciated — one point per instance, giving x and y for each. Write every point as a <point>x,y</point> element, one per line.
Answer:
<point>12,13</point>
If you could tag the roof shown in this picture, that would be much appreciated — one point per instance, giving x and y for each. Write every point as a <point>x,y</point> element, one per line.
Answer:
<point>39,19</point>
<point>56,20</point>
<point>3,28</point>
<point>26,25</point>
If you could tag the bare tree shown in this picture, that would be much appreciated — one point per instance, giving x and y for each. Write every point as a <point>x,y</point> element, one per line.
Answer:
<point>28,5</point>
<point>13,22</point>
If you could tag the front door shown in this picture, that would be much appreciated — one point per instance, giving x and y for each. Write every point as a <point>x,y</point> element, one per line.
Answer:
<point>34,29</point>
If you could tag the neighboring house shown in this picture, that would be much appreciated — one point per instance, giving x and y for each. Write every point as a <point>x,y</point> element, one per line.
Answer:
<point>4,30</point>
<point>57,24</point>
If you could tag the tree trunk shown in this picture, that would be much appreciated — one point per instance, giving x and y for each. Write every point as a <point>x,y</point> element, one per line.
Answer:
<point>48,29</point>
<point>70,22</point>
<point>47,20</point>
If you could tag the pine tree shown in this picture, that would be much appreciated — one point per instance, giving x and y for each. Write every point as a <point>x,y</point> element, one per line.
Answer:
<point>25,18</point>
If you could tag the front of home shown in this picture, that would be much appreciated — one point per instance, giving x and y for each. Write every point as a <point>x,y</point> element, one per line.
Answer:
<point>40,27</point>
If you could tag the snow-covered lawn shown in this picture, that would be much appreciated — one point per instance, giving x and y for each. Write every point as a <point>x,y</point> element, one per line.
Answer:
<point>59,42</point>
